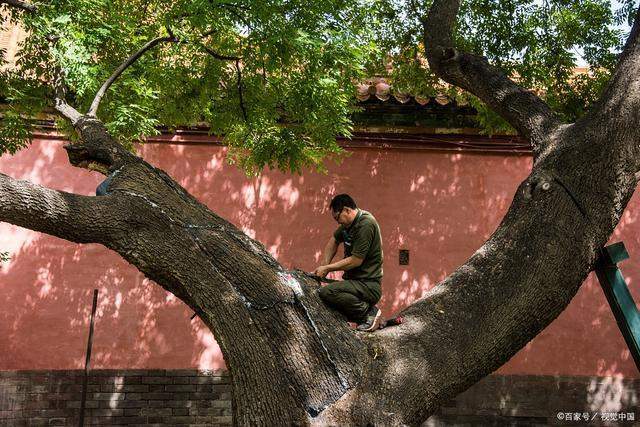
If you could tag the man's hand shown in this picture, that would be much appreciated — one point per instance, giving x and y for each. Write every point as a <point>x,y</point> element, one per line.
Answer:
<point>321,271</point>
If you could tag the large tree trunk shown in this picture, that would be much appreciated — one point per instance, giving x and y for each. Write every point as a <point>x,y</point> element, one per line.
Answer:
<point>292,360</point>
<point>289,357</point>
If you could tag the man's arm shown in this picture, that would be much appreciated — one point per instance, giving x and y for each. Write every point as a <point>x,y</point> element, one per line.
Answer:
<point>343,265</point>
<point>330,250</point>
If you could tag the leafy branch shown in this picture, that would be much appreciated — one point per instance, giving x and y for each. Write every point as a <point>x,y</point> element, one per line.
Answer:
<point>126,64</point>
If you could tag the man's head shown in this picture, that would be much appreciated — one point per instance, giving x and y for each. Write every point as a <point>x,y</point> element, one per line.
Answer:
<point>343,209</point>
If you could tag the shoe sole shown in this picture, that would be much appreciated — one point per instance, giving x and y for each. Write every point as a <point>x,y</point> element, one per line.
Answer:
<point>376,323</point>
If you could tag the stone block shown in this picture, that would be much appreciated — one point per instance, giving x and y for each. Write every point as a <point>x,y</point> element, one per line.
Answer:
<point>157,380</point>
<point>182,373</point>
<point>105,412</point>
<point>107,396</point>
<point>180,387</point>
<point>122,404</point>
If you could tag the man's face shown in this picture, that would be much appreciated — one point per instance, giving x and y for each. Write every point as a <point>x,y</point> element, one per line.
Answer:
<point>342,216</point>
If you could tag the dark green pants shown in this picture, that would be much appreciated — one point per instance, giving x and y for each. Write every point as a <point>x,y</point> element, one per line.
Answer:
<point>352,297</point>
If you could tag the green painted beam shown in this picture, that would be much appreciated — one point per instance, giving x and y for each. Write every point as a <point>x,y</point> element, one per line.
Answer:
<point>616,253</point>
<point>620,299</point>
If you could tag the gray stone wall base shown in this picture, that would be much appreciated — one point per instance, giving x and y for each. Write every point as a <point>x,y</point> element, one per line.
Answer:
<point>116,397</point>
<point>203,398</point>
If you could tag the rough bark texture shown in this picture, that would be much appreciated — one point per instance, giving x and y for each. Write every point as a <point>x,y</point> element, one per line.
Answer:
<point>292,360</point>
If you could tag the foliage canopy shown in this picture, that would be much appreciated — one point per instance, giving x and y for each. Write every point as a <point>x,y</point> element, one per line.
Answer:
<point>277,77</point>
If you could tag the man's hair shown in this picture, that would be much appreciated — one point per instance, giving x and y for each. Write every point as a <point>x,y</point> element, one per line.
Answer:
<point>342,201</point>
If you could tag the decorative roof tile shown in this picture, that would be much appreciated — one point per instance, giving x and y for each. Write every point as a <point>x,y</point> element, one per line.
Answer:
<point>381,89</point>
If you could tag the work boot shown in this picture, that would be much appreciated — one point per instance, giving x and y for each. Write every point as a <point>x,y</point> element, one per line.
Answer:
<point>372,321</point>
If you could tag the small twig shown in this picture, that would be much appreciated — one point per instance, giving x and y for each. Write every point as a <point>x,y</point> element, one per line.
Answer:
<point>208,33</point>
<point>126,64</point>
<point>19,4</point>
<point>244,110</point>
<point>171,35</point>
<point>205,48</point>
<point>218,55</point>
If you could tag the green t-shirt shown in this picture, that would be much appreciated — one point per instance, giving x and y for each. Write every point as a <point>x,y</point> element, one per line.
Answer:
<point>362,239</point>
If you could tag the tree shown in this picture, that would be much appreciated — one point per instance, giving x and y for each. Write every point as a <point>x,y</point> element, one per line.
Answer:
<point>275,78</point>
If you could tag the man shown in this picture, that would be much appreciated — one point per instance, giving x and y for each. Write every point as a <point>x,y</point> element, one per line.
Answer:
<point>356,295</point>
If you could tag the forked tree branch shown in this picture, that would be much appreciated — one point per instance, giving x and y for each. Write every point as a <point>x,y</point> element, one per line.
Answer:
<point>525,111</point>
<point>133,58</point>
<point>126,64</point>
<point>19,4</point>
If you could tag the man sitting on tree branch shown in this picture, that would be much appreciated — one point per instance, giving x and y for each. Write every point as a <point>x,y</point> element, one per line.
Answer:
<point>357,294</point>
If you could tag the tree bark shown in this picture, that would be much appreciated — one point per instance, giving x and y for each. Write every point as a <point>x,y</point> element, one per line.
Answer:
<point>293,361</point>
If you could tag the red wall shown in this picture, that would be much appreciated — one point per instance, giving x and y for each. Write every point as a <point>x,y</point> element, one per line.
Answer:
<point>440,206</point>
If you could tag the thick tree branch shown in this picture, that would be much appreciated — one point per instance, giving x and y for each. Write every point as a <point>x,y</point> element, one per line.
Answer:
<point>618,108</point>
<point>126,64</point>
<point>525,111</point>
<point>19,4</point>
<point>98,151</point>
<point>67,110</point>
<point>68,216</point>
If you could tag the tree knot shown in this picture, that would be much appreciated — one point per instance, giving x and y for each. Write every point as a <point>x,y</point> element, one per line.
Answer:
<point>535,183</point>
<point>546,181</point>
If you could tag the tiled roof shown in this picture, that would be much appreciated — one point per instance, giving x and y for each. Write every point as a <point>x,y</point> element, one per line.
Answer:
<point>379,88</point>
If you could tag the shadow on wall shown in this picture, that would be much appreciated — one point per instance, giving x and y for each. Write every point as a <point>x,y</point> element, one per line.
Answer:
<point>543,400</point>
<point>45,293</point>
<point>439,206</point>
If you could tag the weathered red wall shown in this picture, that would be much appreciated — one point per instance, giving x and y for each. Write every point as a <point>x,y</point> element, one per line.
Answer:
<point>440,206</point>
